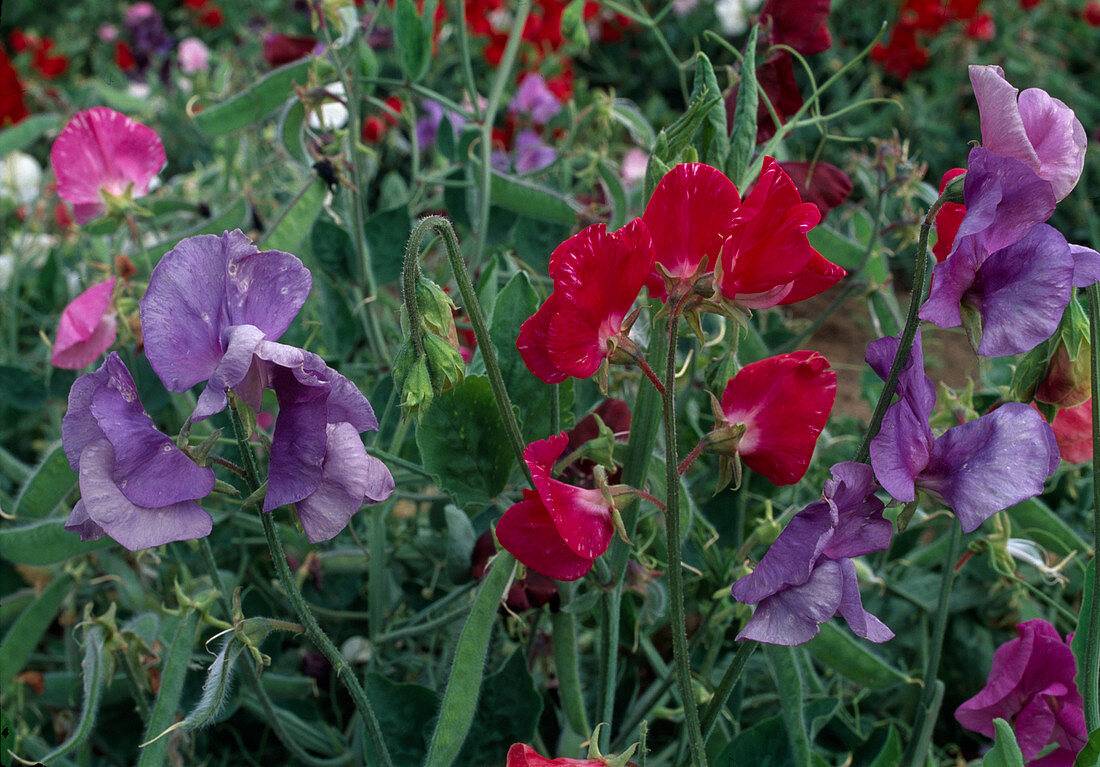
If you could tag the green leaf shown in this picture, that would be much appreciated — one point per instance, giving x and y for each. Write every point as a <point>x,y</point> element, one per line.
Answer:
<point>460,542</point>
<point>1081,633</point>
<point>463,443</point>
<point>386,233</point>
<point>258,100</point>
<point>762,745</point>
<point>891,752</point>
<point>296,220</point>
<point>230,218</point>
<point>97,672</point>
<point>44,542</point>
<point>714,145</point>
<point>836,247</point>
<point>1035,520</point>
<point>1090,754</point>
<point>289,130</point>
<point>507,713</point>
<point>531,397</point>
<point>412,40</point>
<point>613,186</point>
<point>627,114</point>
<point>530,199</point>
<point>47,486</point>
<point>22,135</point>
<point>173,671</point>
<point>25,633</point>
<point>21,388</point>
<point>402,710</point>
<point>331,246</point>
<point>743,135</point>
<point>839,650</point>
<point>1005,752</point>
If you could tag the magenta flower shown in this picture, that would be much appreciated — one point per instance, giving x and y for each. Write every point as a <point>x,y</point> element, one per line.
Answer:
<point>808,575</point>
<point>87,328</point>
<point>1031,686</point>
<point>136,486</point>
<point>103,152</point>
<point>978,468</point>
<point>1036,129</point>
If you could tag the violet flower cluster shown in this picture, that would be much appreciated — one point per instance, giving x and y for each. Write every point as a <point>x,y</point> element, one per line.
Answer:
<point>808,575</point>
<point>214,311</point>
<point>1009,276</point>
<point>977,468</point>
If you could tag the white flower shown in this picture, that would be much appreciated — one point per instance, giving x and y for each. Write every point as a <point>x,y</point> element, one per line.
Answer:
<point>331,114</point>
<point>20,178</point>
<point>733,15</point>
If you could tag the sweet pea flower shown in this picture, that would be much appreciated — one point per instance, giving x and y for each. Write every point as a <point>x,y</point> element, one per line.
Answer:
<point>808,576</point>
<point>136,486</point>
<point>283,49</point>
<point>87,328</point>
<point>633,167</point>
<point>194,56</point>
<point>557,530</point>
<point>1073,431</point>
<point>1032,127</point>
<point>522,755</point>
<point>799,24</point>
<point>1031,685</point>
<point>534,99</point>
<point>766,258</point>
<point>821,183</point>
<point>597,277</point>
<point>977,468</point>
<point>103,153</point>
<point>532,153</point>
<point>783,403</point>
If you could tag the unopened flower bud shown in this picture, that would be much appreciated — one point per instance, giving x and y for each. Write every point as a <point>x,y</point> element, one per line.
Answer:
<point>410,374</point>
<point>436,310</point>
<point>445,365</point>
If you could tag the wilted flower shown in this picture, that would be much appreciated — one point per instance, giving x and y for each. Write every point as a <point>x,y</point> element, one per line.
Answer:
<point>808,576</point>
<point>977,468</point>
<point>103,154</point>
<point>1031,686</point>
<point>136,486</point>
<point>87,328</point>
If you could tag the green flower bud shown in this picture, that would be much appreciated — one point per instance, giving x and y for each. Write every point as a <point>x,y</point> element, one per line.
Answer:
<point>436,310</point>
<point>444,364</point>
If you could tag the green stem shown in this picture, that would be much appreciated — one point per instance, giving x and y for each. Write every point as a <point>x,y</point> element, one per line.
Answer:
<point>729,680</point>
<point>565,661</point>
<point>496,91</point>
<point>677,624</point>
<point>376,583</point>
<point>316,634</point>
<point>918,746</point>
<point>1091,691</point>
<point>410,274</point>
<point>920,288</point>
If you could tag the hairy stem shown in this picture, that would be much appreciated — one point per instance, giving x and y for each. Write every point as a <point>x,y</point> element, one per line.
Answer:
<point>1091,686</point>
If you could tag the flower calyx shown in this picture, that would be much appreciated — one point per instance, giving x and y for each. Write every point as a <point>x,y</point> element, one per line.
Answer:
<point>620,760</point>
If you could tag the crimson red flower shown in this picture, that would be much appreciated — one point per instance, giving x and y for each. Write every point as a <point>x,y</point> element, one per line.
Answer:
<point>49,65</point>
<point>21,41</point>
<point>799,24</point>
<point>821,183</point>
<point>373,130</point>
<point>195,5</point>
<point>688,217</point>
<point>395,104</point>
<point>766,258</point>
<point>211,17</point>
<point>13,108</point>
<point>557,529</point>
<point>948,219</point>
<point>124,57</point>
<point>784,402</point>
<point>1091,13</point>
<point>903,53</point>
<point>283,49</point>
<point>1029,4</point>
<point>597,277</point>
<point>981,28</point>
<point>1072,428</point>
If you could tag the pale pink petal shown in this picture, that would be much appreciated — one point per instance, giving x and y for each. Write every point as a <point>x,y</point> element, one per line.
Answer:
<point>85,330</point>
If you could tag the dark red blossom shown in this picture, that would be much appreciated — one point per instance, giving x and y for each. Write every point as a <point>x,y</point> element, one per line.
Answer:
<point>784,402</point>
<point>283,49</point>
<point>597,277</point>
<point>527,593</point>
<point>766,257</point>
<point>801,24</point>
<point>1091,13</point>
<point>775,77</point>
<point>49,65</point>
<point>981,28</point>
<point>821,183</point>
<point>557,529</point>
<point>13,108</point>
<point>124,57</point>
<point>211,17</point>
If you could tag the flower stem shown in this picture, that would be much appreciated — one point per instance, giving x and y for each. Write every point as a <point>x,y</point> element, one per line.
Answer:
<point>920,288</point>
<point>725,687</point>
<point>411,272</point>
<point>917,748</point>
<point>695,453</point>
<point>677,626</point>
<point>1091,674</point>
<point>344,672</point>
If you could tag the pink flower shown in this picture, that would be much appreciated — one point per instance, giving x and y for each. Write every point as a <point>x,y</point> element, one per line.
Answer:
<point>1036,129</point>
<point>87,328</point>
<point>522,755</point>
<point>100,152</point>
<point>194,56</point>
<point>1031,686</point>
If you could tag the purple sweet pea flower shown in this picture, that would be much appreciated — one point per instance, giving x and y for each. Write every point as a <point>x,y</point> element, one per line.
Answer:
<point>808,576</point>
<point>1031,685</point>
<point>212,311</point>
<point>136,486</point>
<point>1038,130</point>
<point>531,153</point>
<point>978,468</point>
<point>535,99</point>
<point>427,126</point>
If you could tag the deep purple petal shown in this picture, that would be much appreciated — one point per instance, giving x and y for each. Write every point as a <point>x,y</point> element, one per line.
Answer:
<point>792,616</point>
<point>1004,199</point>
<point>1022,291</point>
<point>135,527</point>
<point>241,342</point>
<point>951,279</point>
<point>298,445</point>
<point>989,464</point>
<point>861,528</point>
<point>1086,265</point>
<point>901,450</point>
<point>913,385</point>
<point>791,558</point>
<point>348,478</point>
<point>861,622</point>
